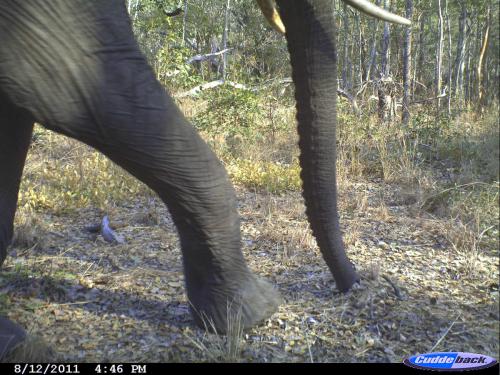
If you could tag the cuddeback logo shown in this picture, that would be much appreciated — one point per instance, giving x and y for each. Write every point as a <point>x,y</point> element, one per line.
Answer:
<point>450,361</point>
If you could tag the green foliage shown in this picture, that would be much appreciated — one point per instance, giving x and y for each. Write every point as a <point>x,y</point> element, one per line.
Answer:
<point>172,69</point>
<point>230,112</point>
<point>76,176</point>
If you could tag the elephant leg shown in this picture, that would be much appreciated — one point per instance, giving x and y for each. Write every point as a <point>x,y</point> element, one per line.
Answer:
<point>12,335</point>
<point>155,143</point>
<point>78,70</point>
<point>15,136</point>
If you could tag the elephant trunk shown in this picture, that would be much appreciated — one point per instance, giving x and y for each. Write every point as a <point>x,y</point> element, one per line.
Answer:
<point>310,33</point>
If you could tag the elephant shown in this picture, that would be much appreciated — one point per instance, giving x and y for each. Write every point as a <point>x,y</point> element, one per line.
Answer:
<point>75,67</point>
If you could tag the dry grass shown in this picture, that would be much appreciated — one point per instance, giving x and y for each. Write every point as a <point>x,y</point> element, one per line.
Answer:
<point>63,174</point>
<point>29,232</point>
<point>222,348</point>
<point>468,245</point>
<point>34,349</point>
<point>420,221</point>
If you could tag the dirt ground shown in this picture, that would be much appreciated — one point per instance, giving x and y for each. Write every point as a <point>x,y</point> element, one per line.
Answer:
<point>95,301</point>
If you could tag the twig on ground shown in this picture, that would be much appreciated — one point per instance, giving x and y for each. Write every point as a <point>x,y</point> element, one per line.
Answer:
<point>444,334</point>
<point>397,291</point>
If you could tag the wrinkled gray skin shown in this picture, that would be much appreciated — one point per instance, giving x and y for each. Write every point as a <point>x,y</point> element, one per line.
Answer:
<point>75,67</point>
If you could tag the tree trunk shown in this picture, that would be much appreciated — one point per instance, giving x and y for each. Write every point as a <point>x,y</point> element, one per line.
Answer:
<point>384,63</point>
<point>414,64</point>
<point>482,54</point>
<point>384,99</point>
<point>360,49</point>
<point>450,69</point>
<point>406,64</point>
<point>419,67</point>
<point>460,53</point>
<point>346,66</point>
<point>468,61</point>
<point>370,69</point>
<point>224,39</point>
<point>439,57</point>
<point>184,25</point>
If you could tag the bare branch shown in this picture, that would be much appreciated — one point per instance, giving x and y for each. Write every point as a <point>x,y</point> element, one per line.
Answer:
<point>210,85</point>
<point>207,56</point>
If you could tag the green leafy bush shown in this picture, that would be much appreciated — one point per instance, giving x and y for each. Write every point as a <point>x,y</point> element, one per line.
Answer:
<point>230,112</point>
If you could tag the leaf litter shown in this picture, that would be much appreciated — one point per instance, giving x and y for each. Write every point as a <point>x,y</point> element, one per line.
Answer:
<point>95,301</point>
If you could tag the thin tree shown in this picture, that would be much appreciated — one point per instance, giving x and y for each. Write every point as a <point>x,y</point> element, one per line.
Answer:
<point>384,63</point>
<point>450,69</point>
<point>346,68</point>
<point>370,69</point>
<point>360,49</point>
<point>406,64</point>
<point>458,71</point>
<point>439,57</point>
<point>224,39</point>
<point>184,20</point>
<point>482,54</point>
<point>384,98</point>
<point>420,57</point>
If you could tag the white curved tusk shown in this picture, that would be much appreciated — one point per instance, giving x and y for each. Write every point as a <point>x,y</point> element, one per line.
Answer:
<point>372,10</point>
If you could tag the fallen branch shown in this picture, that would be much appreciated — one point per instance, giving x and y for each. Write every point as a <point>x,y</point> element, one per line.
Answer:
<point>351,99</point>
<point>397,291</point>
<point>210,85</point>
<point>273,81</point>
<point>443,95</point>
<point>445,333</point>
<point>362,89</point>
<point>207,56</point>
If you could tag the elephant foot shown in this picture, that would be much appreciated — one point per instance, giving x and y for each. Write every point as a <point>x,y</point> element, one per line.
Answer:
<point>246,307</point>
<point>17,346</point>
<point>12,336</point>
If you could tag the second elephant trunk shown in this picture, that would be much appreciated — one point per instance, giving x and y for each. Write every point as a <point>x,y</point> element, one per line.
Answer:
<point>311,43</point>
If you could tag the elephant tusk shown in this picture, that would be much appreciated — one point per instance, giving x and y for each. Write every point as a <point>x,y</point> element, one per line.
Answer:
<point>269,10</point>
<point>373,10</point>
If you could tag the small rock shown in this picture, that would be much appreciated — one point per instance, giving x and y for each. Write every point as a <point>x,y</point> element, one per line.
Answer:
<point>311,321</point>
<point>383,245</point>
